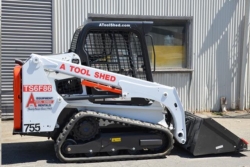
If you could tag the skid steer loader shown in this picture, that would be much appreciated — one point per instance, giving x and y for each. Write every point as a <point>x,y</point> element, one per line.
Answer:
<point>98,101</point>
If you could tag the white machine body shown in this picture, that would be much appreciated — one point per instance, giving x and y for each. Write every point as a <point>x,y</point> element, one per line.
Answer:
<point>42,104</point>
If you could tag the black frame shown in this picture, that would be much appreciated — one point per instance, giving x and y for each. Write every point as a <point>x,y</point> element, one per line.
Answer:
<point>139,28</point>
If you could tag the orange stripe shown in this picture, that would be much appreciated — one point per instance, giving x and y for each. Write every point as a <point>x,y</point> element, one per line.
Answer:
<point>102,87</point>
<point>17,97</point>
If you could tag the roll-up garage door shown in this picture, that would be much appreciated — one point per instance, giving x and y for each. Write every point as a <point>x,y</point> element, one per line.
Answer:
<point>26,28</point>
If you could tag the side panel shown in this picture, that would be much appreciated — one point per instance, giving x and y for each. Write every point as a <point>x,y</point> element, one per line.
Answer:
<point>152,113</point>
<point>41,104</point>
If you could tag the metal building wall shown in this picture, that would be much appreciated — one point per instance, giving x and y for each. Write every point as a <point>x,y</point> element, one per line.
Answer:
<point>216,46</point>
<point>179,80</point>
<point>247,90</point>
<point>0,57</point>
<point>26,28</point>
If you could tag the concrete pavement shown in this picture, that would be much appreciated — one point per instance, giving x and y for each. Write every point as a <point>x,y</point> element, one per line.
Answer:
<point>38,151</point>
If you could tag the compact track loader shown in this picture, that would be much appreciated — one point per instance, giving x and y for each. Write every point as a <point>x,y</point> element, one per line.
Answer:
<point>98,101</point>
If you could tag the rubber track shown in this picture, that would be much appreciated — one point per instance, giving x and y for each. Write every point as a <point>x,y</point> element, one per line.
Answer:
<point>63,135</point>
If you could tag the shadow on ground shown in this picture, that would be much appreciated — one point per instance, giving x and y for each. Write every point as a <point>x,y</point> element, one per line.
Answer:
<point>13,153</point>
<point>25,152</point>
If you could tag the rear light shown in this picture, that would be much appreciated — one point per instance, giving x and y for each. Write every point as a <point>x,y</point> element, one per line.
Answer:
<point>17,86</point>
<point>244,141</point>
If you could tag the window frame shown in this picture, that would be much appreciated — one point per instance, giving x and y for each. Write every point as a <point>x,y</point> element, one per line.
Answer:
<point>187,21</point>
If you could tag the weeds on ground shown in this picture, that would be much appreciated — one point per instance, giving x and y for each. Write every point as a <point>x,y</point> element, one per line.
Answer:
<point>218,113</point>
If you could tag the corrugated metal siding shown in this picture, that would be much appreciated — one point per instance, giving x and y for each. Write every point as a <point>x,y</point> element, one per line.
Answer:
<point>26,28</point>
<point>216,46</point>
<point>180,80</point>
<point>247,91</point>
<point>218,28</point>
<point>0,55</point>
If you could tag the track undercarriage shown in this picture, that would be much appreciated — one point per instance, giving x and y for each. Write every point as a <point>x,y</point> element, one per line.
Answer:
<point>93,136</point>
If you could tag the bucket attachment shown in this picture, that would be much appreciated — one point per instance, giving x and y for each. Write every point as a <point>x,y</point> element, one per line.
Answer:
<point>206,136</point>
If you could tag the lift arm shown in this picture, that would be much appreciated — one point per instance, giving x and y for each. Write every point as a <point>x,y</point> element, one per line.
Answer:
<point>130,87</point>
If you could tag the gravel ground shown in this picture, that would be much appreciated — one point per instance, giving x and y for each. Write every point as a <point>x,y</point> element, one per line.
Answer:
<point>38,151</point>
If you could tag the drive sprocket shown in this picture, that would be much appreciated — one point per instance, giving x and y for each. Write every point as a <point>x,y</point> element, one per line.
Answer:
<point>86,129</point>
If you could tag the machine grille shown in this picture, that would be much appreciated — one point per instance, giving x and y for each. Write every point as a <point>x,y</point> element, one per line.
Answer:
<point>69,86</point>
<point>116,51</point>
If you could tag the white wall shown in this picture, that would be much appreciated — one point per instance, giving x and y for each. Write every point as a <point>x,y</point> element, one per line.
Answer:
<point>216,46</point>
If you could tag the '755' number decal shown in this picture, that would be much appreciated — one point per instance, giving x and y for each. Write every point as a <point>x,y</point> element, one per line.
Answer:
<point>32,127</point>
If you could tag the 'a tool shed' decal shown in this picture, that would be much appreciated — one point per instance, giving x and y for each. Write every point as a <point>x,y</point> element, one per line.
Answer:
<point>39,103</point>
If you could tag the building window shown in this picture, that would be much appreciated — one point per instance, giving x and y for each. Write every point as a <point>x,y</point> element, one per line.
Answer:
<point>170,37</point>
<point>169,45</point>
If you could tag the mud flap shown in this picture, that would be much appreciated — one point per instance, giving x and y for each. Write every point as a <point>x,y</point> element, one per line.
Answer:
<point>206,136</point>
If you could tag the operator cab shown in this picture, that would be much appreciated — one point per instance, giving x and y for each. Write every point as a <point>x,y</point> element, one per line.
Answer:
<point>118,47</point>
